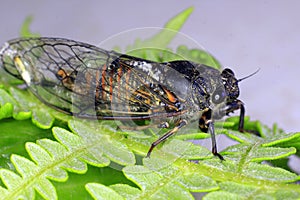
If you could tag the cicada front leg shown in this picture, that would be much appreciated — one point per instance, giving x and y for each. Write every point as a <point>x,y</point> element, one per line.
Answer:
<point>238,105</point>
<point>206,124</point>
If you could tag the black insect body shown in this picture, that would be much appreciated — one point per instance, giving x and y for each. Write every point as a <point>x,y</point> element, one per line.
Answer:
<point>89,82</point>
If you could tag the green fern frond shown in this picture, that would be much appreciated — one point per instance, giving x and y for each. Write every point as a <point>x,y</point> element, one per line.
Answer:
<point>25,31</point>
<point>160,179</point>
<point>51,161</point>
<point>98,145</point>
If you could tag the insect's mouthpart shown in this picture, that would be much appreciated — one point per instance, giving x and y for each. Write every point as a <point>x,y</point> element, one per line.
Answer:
<point>239,80</point>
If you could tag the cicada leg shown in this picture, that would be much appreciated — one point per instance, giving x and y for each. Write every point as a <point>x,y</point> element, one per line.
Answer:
<point>180,124</point>
<point>238,105</point>
<point>206,124</point>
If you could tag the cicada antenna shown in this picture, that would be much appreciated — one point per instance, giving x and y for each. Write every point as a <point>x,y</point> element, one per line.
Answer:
<point>249,75</point>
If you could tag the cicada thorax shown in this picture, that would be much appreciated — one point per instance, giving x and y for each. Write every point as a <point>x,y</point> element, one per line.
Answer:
<point>207,87</point>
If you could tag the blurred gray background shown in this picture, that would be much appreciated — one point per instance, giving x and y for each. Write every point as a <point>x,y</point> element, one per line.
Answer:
<point>243,35</point>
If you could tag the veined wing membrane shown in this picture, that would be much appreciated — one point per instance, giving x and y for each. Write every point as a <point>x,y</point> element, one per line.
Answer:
<point>84,80</point>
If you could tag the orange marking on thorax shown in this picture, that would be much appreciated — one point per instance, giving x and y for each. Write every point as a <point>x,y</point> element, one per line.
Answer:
<point>170,96</point>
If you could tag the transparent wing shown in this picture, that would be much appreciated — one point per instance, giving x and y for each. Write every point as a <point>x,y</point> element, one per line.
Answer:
<point>54,69</point>
<point>86,81</point>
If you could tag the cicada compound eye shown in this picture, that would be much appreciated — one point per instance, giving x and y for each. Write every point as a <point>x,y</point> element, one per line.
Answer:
<point>228,71</point>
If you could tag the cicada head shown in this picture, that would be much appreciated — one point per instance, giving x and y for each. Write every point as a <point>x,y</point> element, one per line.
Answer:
<point>230,83</point>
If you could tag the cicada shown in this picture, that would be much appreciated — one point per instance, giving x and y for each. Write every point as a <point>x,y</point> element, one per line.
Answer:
<point>89,82</point>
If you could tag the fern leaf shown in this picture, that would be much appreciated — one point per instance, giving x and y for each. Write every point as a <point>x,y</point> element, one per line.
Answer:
<point>158,179</point>
<point>99,191</point>
<point>154,185</point>
<point>7,104</point>
<point>231,190</point>
<point>109,144</point>
<point>186,150</point>
<point>126,191</point>
<point>259,152</point>
<point>25,29</point>
<point>12,181</point>
<point>28,170</point>
<point>161,174</point>
<point>41,116</point>
<point>51,160</point>
<point>162,39</point>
